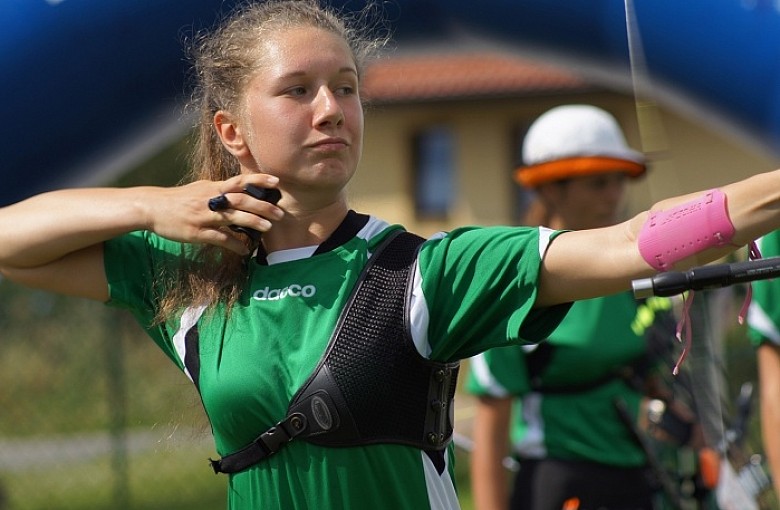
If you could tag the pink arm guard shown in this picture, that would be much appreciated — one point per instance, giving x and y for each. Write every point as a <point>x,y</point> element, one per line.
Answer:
<point>686,229</point>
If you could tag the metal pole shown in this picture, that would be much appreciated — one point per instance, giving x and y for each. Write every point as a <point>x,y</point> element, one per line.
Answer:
<point>117,406</point>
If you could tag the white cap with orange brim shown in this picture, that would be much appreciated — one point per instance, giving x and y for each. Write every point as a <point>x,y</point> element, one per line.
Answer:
<point>573,141</point>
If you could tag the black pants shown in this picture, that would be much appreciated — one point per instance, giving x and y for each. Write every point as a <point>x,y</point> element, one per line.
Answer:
<point>547,484</point>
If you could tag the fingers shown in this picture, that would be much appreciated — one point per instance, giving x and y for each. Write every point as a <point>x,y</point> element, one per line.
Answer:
<point>246,204</point>
<point>239,183</point>
<point>249,192</point>
<point>243,209</point>
<point>206,211</point>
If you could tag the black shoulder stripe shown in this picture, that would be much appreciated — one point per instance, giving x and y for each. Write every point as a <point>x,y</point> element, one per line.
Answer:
<point>344,232</point>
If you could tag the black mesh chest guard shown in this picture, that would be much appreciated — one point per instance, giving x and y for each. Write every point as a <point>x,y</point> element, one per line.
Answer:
<point>371,386</point>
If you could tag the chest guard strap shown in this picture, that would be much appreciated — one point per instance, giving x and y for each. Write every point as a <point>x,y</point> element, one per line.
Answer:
<point>371,386</point>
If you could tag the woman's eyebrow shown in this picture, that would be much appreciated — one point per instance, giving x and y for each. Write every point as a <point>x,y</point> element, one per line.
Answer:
<point>346,69</point>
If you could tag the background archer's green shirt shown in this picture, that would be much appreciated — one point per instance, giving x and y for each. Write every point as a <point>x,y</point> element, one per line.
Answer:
<point>763,318</point>
<point>578,422</point>
<point>473,289</point>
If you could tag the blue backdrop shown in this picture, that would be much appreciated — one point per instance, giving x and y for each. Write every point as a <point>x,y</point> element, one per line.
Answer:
<point>90,84</point>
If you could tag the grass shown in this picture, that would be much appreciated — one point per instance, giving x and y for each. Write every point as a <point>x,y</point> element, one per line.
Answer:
<point>94,485</point>
<point>70,367</point>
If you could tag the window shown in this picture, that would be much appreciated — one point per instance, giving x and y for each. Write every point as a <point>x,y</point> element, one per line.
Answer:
<point>434,186</point>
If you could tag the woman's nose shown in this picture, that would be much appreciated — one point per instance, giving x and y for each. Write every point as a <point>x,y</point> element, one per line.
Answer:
<point>327,108</point>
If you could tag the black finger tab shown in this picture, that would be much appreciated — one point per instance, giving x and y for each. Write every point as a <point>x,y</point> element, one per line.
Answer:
<point>218,203</point>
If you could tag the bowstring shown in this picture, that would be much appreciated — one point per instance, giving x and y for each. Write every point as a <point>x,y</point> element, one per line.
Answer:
<point>705,368</point>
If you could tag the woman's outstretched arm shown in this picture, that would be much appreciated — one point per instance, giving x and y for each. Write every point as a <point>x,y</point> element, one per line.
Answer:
<point>590,263</point>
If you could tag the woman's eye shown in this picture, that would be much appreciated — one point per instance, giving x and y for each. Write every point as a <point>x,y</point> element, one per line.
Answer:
<point>297,91</point>
<point>346,90</point>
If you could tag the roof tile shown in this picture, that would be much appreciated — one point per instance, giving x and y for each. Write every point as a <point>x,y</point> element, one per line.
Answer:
<point>450,76</point>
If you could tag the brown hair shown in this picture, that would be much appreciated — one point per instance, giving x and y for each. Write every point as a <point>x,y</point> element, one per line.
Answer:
<point>224,62</point>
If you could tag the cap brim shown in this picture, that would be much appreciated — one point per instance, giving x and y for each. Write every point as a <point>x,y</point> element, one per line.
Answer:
<point>534,175</point>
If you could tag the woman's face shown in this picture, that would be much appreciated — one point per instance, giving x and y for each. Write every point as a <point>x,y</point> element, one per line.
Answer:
<point>303,117</point>
<point>589,202</point>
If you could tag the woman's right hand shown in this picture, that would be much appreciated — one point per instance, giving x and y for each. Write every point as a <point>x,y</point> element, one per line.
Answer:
<point>183,213</point>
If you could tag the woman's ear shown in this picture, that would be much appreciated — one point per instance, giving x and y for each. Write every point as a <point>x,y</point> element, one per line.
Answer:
<point>232,135</point>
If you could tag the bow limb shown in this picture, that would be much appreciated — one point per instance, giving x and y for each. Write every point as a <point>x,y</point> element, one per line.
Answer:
<point>653,139</point>
<point>703,379</point>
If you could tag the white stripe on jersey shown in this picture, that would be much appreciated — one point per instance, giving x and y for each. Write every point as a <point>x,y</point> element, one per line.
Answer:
<point>418,315</point>
<point>441,489</point>
<point>372,228</point>
<point>479,367</point>
<point>418,311</point>
<point>760,321</point>
<point>277,257</point>
<point>544,240</point>
<point>188,319</point>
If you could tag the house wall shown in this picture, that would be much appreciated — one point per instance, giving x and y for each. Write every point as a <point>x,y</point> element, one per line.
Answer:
<point>696,157</point>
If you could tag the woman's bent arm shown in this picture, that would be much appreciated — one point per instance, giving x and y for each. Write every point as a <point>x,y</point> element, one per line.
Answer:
<point>53,241</point>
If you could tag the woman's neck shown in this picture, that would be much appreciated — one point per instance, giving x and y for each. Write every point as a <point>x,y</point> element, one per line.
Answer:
<point>301,228</point>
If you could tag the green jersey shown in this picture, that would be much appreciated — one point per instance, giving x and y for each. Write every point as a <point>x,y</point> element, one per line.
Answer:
<point>763,318</point>
<point>473,289</point>
<point>567,410</point>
